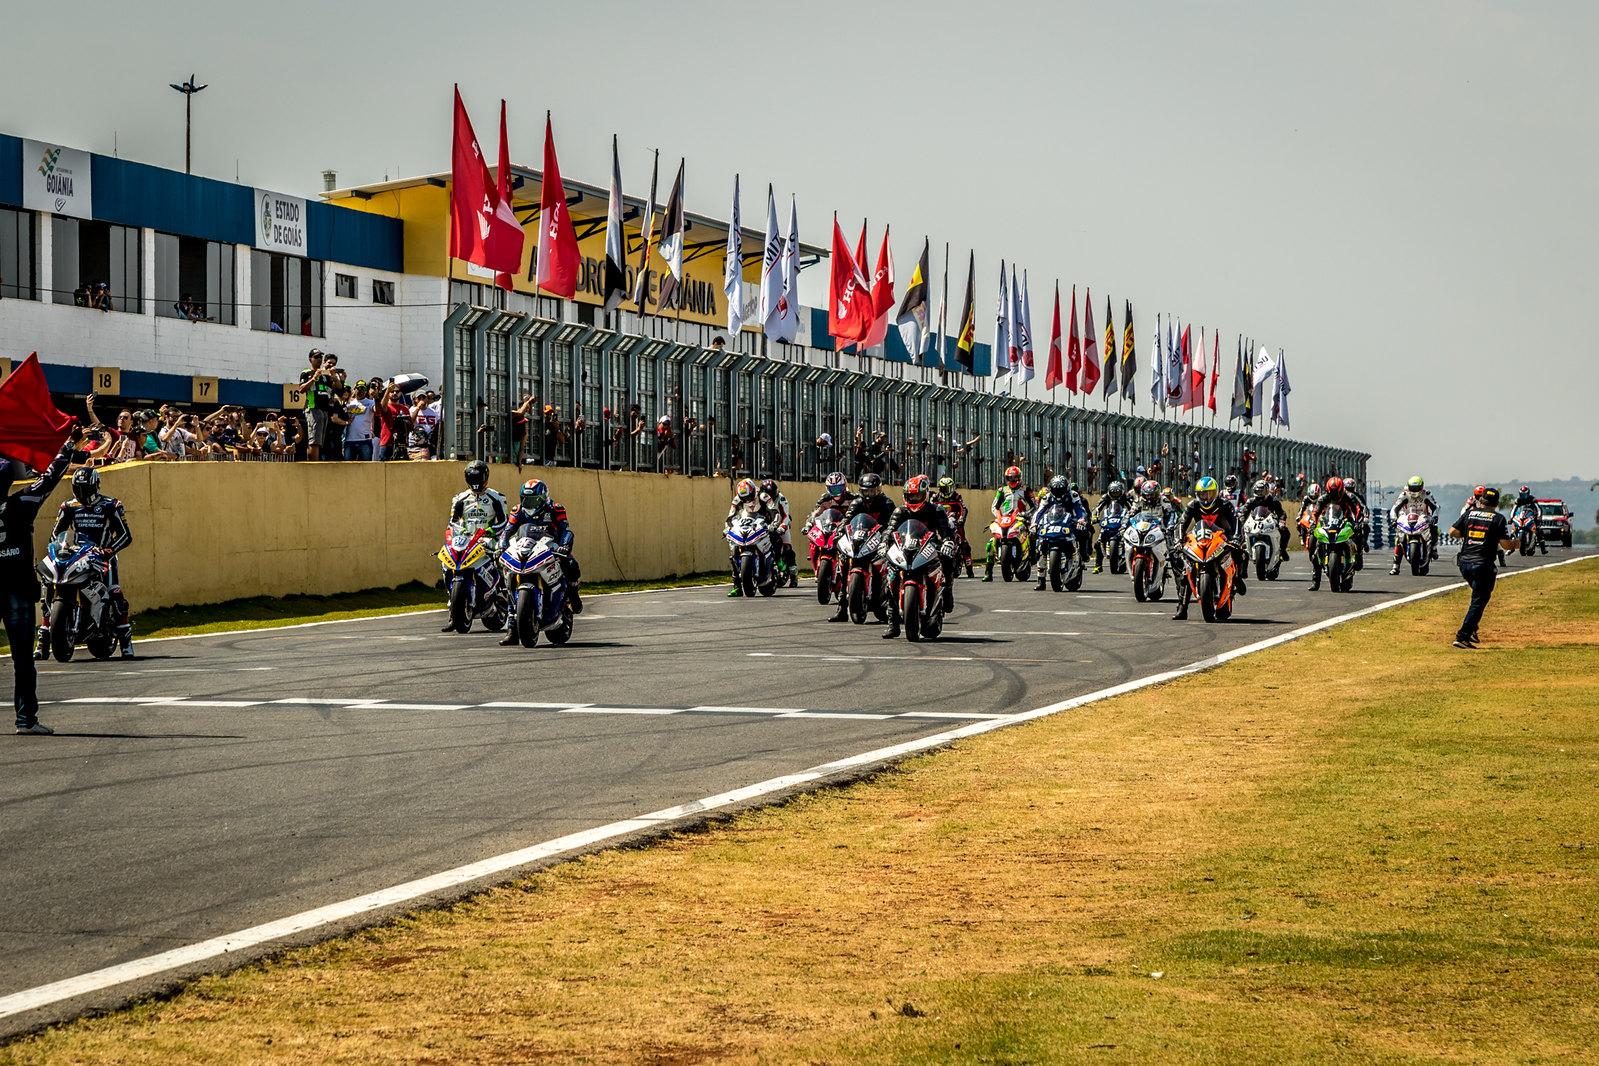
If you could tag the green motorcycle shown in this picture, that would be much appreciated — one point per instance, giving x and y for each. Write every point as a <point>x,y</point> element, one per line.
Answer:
<point>1335,547</point>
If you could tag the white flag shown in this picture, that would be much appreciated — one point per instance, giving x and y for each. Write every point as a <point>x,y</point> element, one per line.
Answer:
<point>1265,368</point>
<point>1176,373</point>
<point>771,287</point>
<point>1279,403</point>
<point>733,271</point>
<point>1025,343</point>
<point>1002,318</point>
<point>783,325</point>
<point>1157,369</point>
<point>615,275</point>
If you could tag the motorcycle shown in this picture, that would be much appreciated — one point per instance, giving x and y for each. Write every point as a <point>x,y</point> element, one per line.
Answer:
<point>471,580</point>
<point>1208,573</point>
<point>536,588</point>
<point>865,575</point>
<point>754,563</point>
<point>1307,526</point>
<point>1524,529</point>
<point>1260,533</point>
<point>916,579</point>
<point>77,596</point>
<point>1145,538</point>
<point>957,522</point>
<point>823,532</point>
<point>1009,532</point>
<point>1057,547</point>
<point>1335,547</point>
<point>1111,524</point>
<point>1413,536</point>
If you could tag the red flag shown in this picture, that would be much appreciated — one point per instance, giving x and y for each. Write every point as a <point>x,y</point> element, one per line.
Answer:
<point>1193,389</point>
<point>1215,371</point>
<point>882,292</point>
<point>1052,374</point>
<point>1074,349</point>
<point>503,213</point>
<point>482,230</point>
<point>849,297</point>
<point>559,260</point>
<point>1090,376</point>
<point>31,429</point>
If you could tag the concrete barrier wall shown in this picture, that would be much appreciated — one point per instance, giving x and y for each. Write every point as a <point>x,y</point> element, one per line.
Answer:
<point>210,532</point>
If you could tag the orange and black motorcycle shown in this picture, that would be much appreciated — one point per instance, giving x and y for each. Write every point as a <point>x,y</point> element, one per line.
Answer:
<point>1209,566</point>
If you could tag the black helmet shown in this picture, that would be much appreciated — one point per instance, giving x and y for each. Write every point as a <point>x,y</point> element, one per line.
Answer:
<point>871,485</point>
<point>1260,487</point>
<point>1116,490</point>
<point>769,489</point>
<point>1058,486</point>
<point>1231,481</point>
<point>86,484</point>
<point>477,475</point>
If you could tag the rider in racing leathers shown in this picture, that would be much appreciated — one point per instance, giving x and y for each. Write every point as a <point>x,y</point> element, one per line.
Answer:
<point>1231,493</point>
<point>1525,500</point>
<point>743,493</point>
<point>836,496</point>
<point>779,505</point>
<point>536,515</point>
<point>918,507</point>
<point>1335,492</point>
<point>1261,495</point>
<point>1014,495</point>
<point>1115,498</point>
<point>1059,491</point>
<point>479,507</point>
<point>954,505</point>
<point>871,501</point>
<point>100,521</point>
<point>1208,507</point>
<point>1357,508</point>
<point>1415,500</point>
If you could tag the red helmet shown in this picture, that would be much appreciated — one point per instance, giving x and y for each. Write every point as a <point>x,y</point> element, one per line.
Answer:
<point>916,490</point>
<point>1477,492</point>
<point>1013,476</point>
<point>1335,484</point>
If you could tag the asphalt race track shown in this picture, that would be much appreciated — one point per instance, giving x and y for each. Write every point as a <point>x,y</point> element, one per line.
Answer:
<point>220,782</point>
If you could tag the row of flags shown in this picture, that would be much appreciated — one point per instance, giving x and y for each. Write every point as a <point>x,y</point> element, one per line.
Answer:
<point>861,306</point>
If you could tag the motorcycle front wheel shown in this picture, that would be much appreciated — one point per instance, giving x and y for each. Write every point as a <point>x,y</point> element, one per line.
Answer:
<point>527,616</point>
<point>1141,576</point>
<point>910,611</point>
<point>1208,595</point>
<point>1055,567</point>
<point>746,575</point>
<point>856,598</point>
<point>460,605</point>
<point>62,623</point>
<point>824,581</point>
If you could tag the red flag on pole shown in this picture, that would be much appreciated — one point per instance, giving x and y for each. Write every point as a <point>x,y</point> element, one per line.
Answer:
<point>1090,375</point>
<point>503,212</point>
<point>559,260</point>
<point>31,429</point>
<point>849,302</point>
<point>1052,374</point>
<point>882,292</point>
<point>1074,349</point>
<point>482,230</point>
<point>1215,371</point>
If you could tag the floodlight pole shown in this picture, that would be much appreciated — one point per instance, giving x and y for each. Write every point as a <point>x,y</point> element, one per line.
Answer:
<point>188,89</point>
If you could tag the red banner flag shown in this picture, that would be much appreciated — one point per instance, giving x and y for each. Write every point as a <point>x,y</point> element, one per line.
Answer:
<point>1052,374</point>
<point>1074,349</point>
<point>1215,371</point>
<point>503,213</point>
<point>1090,375</point>
<point>559,260</point>
<point>482,230</point>
<point>882,292</point>
<point>31,429</point>
<point>849,297</point>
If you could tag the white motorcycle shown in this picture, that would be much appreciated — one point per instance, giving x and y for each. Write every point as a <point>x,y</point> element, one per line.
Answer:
<point>749,539</point>
<point>1145,537</point>
<point>1261,533</point>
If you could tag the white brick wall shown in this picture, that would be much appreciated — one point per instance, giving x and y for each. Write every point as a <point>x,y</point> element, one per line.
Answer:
<point>369,338</point>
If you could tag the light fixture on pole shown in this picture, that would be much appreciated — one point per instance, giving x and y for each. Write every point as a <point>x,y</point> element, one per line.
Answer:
<point>188,89</point>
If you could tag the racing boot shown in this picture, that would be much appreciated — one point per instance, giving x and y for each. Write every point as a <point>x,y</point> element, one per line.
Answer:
<point>988,571</point>
<point>1041,578</point>
<point>949,596</point>
<point>449,627</point>
<point>892,632</point>
<point>125,640</point>
<point>969,568</point>
<point>574,598</point>
<point>1099,558</point>
<point>42,652</point>
<point>1315,579</point>
<point>1182,610</point>
<point>840,614</point>
<point>792,565</point>
<point>510,640</point>
<point>1393,571</point>
<point>737,590</point>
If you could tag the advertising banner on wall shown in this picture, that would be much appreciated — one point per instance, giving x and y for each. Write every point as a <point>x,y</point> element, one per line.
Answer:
<point>279,223</point>
<point>56,179</point>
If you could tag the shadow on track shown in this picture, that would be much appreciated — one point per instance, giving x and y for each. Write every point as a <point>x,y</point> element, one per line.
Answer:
<point>152,736</point>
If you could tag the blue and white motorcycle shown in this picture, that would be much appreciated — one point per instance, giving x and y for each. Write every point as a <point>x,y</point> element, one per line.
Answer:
<point>750,540</point>
<point>1056,530</point>
<point>536,586</point>
<point>77,597</point>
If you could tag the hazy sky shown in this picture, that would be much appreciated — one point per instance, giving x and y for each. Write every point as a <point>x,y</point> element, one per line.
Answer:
<point>1402,195</point>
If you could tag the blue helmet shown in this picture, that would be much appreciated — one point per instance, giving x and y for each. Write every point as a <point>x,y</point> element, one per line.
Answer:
<point>535,494</point>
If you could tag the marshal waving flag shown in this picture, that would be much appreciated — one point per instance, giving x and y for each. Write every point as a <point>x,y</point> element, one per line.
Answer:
<point>966,339</point>
<point>559,259</point>
<point>733,267</point>
<point>849,297</point>
<point>912,316</point>
<point>1110,352</point>
<point>615,276</point>
<point>1052,372</point>
<point>1090,375</point>
<point>32,431</point>
<point>1129,355</point>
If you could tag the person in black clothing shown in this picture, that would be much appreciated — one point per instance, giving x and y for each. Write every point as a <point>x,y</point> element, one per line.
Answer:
<point>918,507</point>
<point>1261,496</point>
<point>1483,531</point>
<point>19,586</point>
<point>1208,506</point>
<point>100,521</point>
<point>871,501</point>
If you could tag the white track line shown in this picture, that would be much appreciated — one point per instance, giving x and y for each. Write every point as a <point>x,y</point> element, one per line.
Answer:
<point>410,891</point>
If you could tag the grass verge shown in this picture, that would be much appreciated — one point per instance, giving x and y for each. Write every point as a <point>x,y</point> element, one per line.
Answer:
<point>267,611</point>
<point>1361,845</point>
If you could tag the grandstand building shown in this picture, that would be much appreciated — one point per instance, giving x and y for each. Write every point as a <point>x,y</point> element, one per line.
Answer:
<point>103,262</point>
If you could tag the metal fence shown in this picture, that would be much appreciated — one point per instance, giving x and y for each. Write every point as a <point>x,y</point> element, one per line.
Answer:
<point>736,412</point>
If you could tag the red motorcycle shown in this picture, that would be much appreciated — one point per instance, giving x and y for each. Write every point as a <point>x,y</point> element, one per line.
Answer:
<point>864,574</point>
<point>823,532</point>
